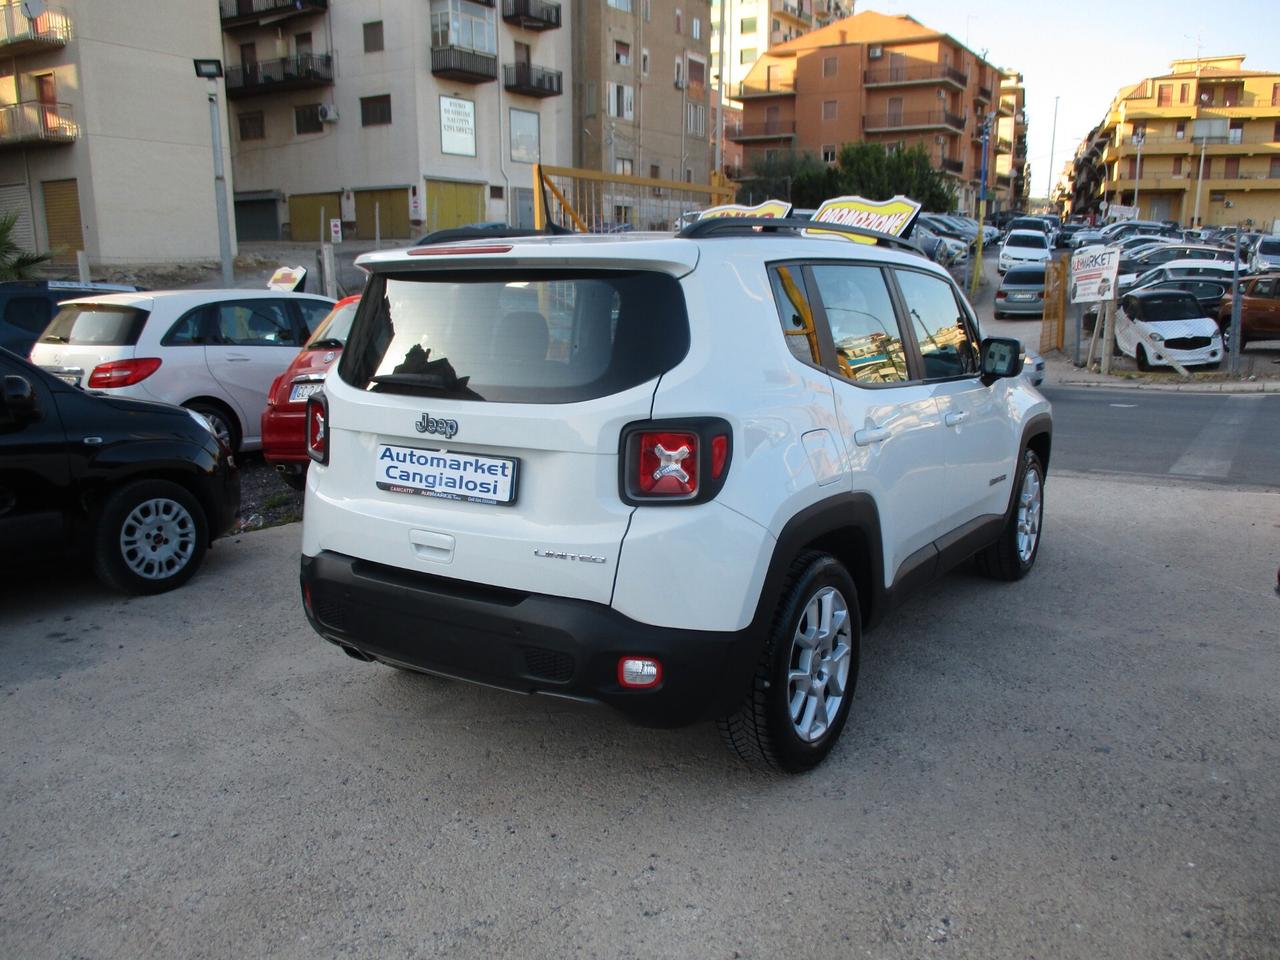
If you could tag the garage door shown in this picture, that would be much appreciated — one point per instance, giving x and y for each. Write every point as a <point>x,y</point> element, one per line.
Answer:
<point>392,213</point>
<point>257,220</point>
<point>305,211</point>
<point>452,204</point>
<point>62,218</point>
<point>14,199</point>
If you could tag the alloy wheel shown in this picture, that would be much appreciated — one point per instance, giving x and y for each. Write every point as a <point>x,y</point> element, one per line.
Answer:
<point>821,656</point>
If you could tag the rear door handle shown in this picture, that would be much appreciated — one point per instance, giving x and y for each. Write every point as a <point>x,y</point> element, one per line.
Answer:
<point>870,435</point>
<point>237,359</point>
<point>955,419</point>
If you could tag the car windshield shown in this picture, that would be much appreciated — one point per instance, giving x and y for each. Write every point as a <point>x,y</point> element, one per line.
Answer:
<point>96,324</point>
<point>1170,306</point>
<point>1025,276</point>
<point>1270,248</point>
<point>1027,240</point>
<point>336,326</point>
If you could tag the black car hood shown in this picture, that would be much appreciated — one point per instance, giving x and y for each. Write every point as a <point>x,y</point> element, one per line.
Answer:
<point>130,405</point>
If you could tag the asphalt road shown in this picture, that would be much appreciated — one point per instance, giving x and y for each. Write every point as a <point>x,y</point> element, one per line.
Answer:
<point>1080,765</point>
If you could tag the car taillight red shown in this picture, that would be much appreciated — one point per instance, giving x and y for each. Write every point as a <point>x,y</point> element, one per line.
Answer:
<point>1002,294</point>
<point>122,373</point>
<point>318,429</point>
<point>271,394</point>
<point>666,464</point>
<point>674,461</point>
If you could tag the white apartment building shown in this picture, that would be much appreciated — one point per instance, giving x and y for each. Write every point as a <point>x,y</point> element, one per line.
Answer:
<point>753,26</point>
<point>105,140</point>
<point>394,116</point>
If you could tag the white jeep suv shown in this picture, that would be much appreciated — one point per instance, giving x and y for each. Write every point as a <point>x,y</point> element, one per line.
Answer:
<point>677,475</point>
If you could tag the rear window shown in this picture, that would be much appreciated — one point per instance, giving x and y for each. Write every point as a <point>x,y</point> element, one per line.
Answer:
<point>1024,275</point>
<point>336,326</point>
<point>1270,247</point>
<point>96,324</point>
<point>1026,224</point>
<point>1025,240</point>
<point>1172,306</point>
<point>515,336</point>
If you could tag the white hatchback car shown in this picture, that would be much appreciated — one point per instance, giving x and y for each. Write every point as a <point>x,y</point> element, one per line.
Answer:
<point>1023,247</point>
<point>1153,326</point>
<point>212,351</point>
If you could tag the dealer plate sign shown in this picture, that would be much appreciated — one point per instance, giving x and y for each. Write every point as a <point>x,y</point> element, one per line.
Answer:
<point>445,474</point>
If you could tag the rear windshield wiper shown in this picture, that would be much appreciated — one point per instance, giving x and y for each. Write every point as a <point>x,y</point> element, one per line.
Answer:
<point>427,383</point>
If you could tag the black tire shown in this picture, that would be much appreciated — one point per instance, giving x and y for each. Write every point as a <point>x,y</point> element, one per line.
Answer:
<point>182,526</point>
<point>1002,560</point>
<point>224,423</point>
<point>761,731</point>
<point>997,315</point>
<point>1141,355</point>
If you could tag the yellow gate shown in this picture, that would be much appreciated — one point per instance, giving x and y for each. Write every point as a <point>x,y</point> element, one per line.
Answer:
<point>62,218</point>
<point>1053,328</point>
<point>595,202</point>
<point>392,213</point>
<point>453,204</point>
<point>306,211</point>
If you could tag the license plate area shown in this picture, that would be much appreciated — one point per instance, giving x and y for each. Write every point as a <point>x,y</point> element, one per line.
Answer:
<point>301,391</point>
<point>446,475</point>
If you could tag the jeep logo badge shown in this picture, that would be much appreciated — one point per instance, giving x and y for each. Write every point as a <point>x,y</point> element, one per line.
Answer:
<point>429,424</point>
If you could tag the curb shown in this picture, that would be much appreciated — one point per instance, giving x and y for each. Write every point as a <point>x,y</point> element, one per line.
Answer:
<point>1260,386</point>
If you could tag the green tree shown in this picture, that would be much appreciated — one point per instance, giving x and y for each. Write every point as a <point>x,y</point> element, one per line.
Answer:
<point>15,263</point>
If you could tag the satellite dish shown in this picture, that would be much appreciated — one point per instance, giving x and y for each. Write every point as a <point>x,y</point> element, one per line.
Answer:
<point>34,8</point>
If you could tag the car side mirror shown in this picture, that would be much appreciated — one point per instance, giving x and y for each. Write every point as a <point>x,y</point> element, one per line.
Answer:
<point>1001,357</point>
<point>19,400</point>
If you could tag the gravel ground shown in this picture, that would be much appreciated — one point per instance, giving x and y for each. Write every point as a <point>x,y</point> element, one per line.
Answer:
<point>265,499</point>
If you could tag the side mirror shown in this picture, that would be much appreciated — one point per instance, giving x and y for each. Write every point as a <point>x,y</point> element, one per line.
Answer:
<point>1001,357</point>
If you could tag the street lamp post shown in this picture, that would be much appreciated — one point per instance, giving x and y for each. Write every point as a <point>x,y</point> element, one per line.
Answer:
<point>1053,144</point>
<point>210,70</point>
<point>1138,140</point>
<point>982,206</point>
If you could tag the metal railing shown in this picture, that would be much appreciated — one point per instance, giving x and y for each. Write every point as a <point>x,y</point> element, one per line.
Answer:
<point>534,14</point>
<point>785,84</point>
<point>32,121</point>
<point>464,64</point>
<point>286,72</point>
<point>232,9</point>
<point>597,202</point>
<point>952,166</point>
<point>922,118</point>
<point>533,80</point>
<point>51,29</point>
<point>770,128</point>
<point>924,73</point>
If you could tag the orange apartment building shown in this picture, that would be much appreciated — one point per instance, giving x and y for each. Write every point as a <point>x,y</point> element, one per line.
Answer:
<point>887,79</point>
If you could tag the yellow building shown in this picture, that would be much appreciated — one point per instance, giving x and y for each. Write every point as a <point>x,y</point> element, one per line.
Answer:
<point>1199,145</point>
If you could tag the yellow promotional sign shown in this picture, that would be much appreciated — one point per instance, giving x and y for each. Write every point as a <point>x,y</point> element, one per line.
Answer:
<point>773,209</point>
<point>883,216</point>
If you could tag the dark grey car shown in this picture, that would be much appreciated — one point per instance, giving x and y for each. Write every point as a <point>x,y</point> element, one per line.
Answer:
<point>1021,293</point>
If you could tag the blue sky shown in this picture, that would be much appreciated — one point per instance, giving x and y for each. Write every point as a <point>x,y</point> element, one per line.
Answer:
<point>1083,52</point>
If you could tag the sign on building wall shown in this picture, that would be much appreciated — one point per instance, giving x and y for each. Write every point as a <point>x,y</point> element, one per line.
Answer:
<point>458,126</point>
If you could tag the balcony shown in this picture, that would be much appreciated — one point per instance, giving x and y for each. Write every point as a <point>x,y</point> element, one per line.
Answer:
<point>924,75</point>
<point>531,14</point>
<point>1003,145</point>
<point>794,9</point>
<point>32,123</point>
<point>237,14</point>
<point>921,120</point>
<point>952,166</point>
<point>464,64</point>
<point>769,130</point>
<point>1003,181</point>
<point>279,76</point>
<point>20,34</point>
<point>531,80</point>
<point>772,87</point>
<point>984,94</point>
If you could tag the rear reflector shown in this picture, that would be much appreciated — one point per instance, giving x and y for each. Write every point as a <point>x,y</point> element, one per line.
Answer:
<point>458,250</point>
<point>123,373</point>
<point>637,673</point>
<point>667,464</point>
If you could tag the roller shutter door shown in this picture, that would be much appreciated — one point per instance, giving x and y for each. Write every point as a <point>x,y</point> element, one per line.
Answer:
<point>256,220</point>
<point>304,215</point>
<point>62,218</point>
<point>14,198</point>
<point>452,204</point>
<point>393,213</point>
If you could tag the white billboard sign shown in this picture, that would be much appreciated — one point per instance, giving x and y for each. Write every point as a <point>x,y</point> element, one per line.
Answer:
<point>458,126</point>
<point>1093,274</point>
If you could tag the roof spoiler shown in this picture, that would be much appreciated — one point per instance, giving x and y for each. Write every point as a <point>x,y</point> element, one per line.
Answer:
<point>454,234</point>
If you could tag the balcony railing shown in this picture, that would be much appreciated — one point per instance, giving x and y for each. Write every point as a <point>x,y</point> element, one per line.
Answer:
<point>921,74</point>
<point>921,120</point>
<point>984,94</point>
<point>793,9</point>
<point>243,13</point>
<point>279,76</point>
<point>20,34</point>
<point>32,122</point>
<point>769,130</point>
<point>463,64</point>
<point>952,166</point>
<point>531,80</point>
<point>773,86</point>
<point>531,14</point>
<point>1003,145</point>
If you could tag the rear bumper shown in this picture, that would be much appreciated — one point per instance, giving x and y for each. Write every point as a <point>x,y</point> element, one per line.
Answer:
<point>284,435</point>
<point>1028,308</point>
<point>524,642</point>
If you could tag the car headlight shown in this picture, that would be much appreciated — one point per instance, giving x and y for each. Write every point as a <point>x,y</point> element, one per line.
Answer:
<point>1158,338</point>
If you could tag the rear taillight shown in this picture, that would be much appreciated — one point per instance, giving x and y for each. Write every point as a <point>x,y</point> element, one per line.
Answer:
<point>1002,295</point>
<point>318,428</point>
<point>271,394</point>
<point>675,462</point>
<point>123,373</point>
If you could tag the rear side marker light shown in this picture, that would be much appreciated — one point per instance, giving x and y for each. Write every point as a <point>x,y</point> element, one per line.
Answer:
<point>318,429</point>
<point>639,673</point>
<point>719,455</point>
<point>122,373</point>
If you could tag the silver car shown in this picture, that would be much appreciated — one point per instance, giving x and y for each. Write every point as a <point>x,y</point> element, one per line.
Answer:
<point>1021,293</point>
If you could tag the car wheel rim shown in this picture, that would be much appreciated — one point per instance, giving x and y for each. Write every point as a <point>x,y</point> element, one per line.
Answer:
<point>158,538</point>
<point>1029,503</point>
<point>818,668</point>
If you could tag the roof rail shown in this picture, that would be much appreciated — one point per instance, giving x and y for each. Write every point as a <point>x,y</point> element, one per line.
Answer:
<point>453,234</point>
<point>747,226</point>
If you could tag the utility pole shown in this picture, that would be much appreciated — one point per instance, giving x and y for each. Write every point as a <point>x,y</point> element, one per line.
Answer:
<point>1138,140</point>
<point>724,5</point>
<point>1234,366</point>
<point>1053,144</point>
<point>1196,221</point>
<point>976,273</point>
<point>211,70</point>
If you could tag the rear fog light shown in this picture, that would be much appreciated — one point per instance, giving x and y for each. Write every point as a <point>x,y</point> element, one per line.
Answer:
<point>639,673</point>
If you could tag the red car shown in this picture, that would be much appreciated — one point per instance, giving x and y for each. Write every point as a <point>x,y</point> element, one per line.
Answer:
<point>283,420</point>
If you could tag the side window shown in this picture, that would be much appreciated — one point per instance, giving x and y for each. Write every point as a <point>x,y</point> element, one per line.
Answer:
<point>946,345</point>
<point>253,323</point>
<point>28,313</point>
<point>1262,288</point>
<point>188,331</point>
<point>793,310</point>
<point>863,325</point>
<point>313,311</point>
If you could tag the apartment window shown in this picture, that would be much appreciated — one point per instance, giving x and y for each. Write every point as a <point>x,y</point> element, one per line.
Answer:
<point>747,25</point>
<point>307,119</point>
<point>1164,95</point>
<point>462,23</point>
<point>621,52</point>
<point>1232,95</point>
<point>644,62</point>
<point>592,106</point>
<point>1177,166</point>
<point>1232,171</point>
<point>1133,168</point>
<point>777,25</point>
<point>622,5</point>
<point>1180,131</point>
<point>375,111</point>
<point>1235,133</point>
<point>747,55</point>
<point>1274,174</point>
<point>1217,196</point>
<point>697,74</point>
<point>495,192</point>
<point>655,172</point>
<point>621,101</point>
<point>1140,130</point>
<point>526,140</point>
<point>648,10</point>
<point>252,126</point>
<point>623,165</point>
<point>828,153</point>
<point>697,119</point>
<point>1275,94</point>
<point>1275,134</point>
<point>302,44</point>
<point>679,75</point>
<point>697,28</point>
<point>1206,171</point>
<point>1184,93</point>
<point>373,36</point>
<point>829,65</point>
<point>828,109</point>
<point>679,22</point>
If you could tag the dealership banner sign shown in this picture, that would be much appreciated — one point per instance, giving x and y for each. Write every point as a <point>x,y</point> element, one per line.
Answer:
<point>1093,274</point>
<point>891,216</point>
<point>772,209</point>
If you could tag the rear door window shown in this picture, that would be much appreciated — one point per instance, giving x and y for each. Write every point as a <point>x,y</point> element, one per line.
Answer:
<point>96,324</point>
<point>864,327</point>
<point>947,346</point>
<point>253,323</point>
<point>516,336</point>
